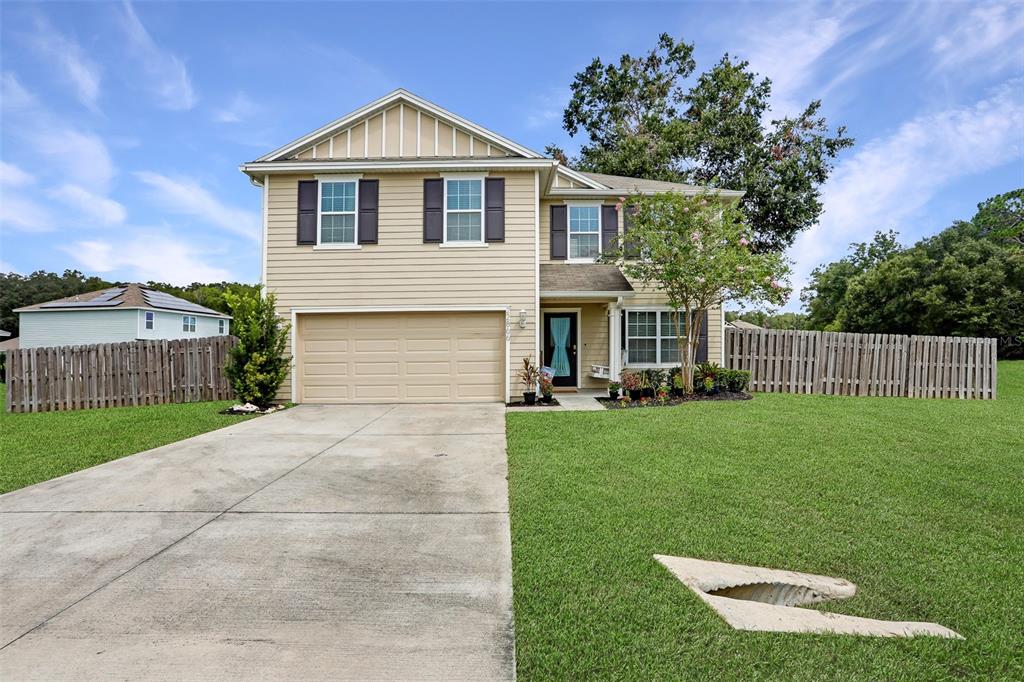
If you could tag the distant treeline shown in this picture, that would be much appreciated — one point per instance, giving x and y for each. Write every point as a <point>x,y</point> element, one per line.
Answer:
<point>967,280</point>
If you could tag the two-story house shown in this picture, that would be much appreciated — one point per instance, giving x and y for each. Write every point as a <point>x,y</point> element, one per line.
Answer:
<point>420,257</point>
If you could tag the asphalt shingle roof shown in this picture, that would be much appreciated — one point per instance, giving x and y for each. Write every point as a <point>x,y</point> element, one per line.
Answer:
<point>131,296</point>
<point>582,277</point>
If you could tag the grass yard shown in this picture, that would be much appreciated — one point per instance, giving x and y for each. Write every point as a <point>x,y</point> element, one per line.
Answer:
<point>918,502</point>
<point>39,446</point>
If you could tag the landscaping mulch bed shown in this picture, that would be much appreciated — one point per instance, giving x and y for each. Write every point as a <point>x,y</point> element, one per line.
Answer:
<point>519,403</point>
<point>620,404</point>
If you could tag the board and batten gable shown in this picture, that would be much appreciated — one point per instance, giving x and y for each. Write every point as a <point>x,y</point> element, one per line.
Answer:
<point>402,131</point>
<point>401,271</point>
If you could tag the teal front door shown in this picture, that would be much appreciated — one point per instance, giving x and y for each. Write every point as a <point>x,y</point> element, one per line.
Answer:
<point>561,347</point>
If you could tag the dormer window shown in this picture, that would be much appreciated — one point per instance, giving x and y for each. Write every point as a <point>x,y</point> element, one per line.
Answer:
<point>584,233</point>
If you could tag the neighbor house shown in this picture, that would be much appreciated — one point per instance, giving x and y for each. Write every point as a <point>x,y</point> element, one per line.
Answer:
<point>420,257</point>
<point>116,314</point>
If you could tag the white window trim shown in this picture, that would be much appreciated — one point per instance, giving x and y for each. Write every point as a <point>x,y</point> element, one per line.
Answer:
<point>149,320</point>
<point>648,309</point>
<point>444,212</point>
<point>321,179</point>
<point>194,324</point>
<point>568,230</point>
<point>222,326</point>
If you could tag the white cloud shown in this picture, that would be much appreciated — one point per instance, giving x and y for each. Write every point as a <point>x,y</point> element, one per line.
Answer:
<point>20,213</point>
<point>166,75</point>
<point>239,109</point>
<point>92,207</point>
<point>891,179</point>
<point>71,61</point>
<point>84,157</point>
<point>147,257</point>
<point>989,36</point>
<point>547,108</point>
<point>187,197</point>
<point>12,176</point>
<point>13,95</point>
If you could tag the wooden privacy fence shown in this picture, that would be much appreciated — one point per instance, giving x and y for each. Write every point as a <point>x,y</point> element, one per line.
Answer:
<point>118,374</point>
<point>833,363</point>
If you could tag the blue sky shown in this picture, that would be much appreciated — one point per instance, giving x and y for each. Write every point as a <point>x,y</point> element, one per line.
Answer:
<point>123,124</point>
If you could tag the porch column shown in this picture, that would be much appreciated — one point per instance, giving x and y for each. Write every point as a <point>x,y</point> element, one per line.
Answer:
<point>614,342</point>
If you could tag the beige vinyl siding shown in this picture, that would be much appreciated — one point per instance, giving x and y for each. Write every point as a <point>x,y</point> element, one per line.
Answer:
<point>403,271</point>
<point>394,132</point>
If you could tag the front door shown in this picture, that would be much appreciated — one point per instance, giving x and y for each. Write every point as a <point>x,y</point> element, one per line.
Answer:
<point>560,347</point>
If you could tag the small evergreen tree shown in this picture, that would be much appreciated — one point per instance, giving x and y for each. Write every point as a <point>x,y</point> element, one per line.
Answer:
<point>258,364</point>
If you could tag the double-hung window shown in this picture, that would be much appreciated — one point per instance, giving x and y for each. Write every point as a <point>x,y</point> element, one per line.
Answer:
<point>584,232</point>
<point>222,326</point>
<point>463,210</point>
<point>337,212</point>
<point>188,323</point>
<point>651,337</point>
<point>149,319</point>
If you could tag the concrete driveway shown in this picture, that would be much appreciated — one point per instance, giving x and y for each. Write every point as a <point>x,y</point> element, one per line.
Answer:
<point>322,542</point>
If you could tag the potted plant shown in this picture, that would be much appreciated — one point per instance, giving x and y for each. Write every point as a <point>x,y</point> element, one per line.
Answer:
<point>678,389</point>
<point>631,384</point>
<point>613,390</point>
<point>529,375</point>
<point>646,386</point>
<point>662,394</point>
<point>546,388</point>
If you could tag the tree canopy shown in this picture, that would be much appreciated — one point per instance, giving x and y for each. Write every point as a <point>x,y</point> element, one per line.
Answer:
<point>967,280</point>
<point>641,120</point>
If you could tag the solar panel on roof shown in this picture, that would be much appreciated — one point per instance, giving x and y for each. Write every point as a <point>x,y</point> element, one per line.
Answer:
<point>160,299</point>
<point>101,301</point>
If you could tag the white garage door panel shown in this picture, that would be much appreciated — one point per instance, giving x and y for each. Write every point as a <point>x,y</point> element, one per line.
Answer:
<point>400,357</point>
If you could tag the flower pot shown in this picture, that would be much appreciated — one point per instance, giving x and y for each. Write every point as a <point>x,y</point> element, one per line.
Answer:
<point>530,398</point>
<point>613,394</point>
<point>635,394</point>
<point>546,398</point>
<point>649,392</point>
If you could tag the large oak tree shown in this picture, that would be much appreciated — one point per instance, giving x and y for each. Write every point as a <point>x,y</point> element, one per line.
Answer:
<point>644,118</point>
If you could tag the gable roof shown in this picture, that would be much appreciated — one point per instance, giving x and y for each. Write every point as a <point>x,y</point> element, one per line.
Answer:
<point>397,97</point>
<point>127,296</point>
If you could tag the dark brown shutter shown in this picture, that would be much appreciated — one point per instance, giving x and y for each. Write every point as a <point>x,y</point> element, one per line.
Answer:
<point>306,228</point>
<point>631,250</point>
<point>494,214</point>
<point>702,345</point>
<point>609,226</point>
<point>559,232</point>
<point>433,210</point>
<point>368,199</point>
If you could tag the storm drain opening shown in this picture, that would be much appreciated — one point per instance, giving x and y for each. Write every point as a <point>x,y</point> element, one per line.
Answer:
<point>767,600</point>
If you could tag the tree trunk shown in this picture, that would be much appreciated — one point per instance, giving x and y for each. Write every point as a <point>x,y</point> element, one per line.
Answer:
<point>686,353</point>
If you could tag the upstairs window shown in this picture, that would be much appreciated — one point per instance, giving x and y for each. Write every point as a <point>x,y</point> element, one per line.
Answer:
<point>188,323</point>
<point>337,213</point>
<point>149,320</point>
<point>463,210</point>
<point>584,232</point>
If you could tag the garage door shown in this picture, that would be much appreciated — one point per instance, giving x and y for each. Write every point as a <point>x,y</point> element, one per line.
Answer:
<point>400,357</point>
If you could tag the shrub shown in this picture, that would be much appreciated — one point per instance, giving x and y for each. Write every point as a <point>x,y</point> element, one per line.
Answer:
<point>737,380</point>
<point>257,364</point>
<point>630,381</point>
<point>655,377</point>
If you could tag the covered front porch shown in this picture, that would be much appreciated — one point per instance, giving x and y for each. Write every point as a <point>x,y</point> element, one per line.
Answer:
<point>593,324</point>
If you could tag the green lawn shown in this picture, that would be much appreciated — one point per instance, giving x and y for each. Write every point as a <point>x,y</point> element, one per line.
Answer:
<point>918,502</point>
<point>40,446</point>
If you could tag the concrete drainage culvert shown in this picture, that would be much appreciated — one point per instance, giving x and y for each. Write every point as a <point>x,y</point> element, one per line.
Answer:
<point>765,599</point>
